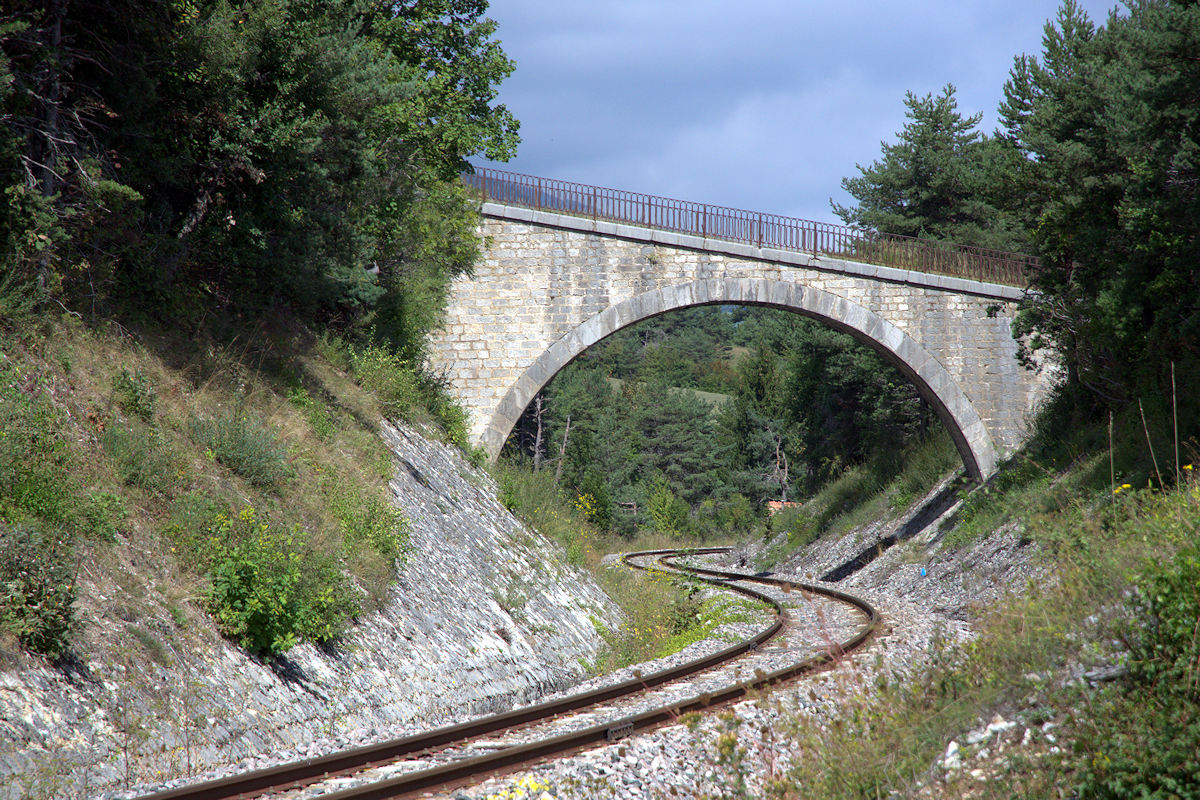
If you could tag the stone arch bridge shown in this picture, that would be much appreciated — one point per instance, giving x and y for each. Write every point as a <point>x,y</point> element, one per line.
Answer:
<point>566,265</point>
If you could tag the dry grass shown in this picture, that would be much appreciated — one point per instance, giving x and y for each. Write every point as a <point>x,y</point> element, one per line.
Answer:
<point>80,370</point>
<point>887,735</point>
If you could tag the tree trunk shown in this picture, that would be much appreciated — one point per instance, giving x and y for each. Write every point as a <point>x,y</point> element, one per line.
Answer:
<point>781,469</point>
<point>537,441</point>
<point>50,91</point>
<point>562,451</point>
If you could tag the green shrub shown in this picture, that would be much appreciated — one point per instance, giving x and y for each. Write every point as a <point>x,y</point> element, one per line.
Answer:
<point>101,515</point>
<point>668,512</point>
<point>141,455</point>
<point>924,465</point>
<point>1165,645</point>
<point>851,489</point>
<point>594,501</point>
<point>662,615</point>
<point>37,588</point>
<point>507,493</point>
<point>393,381</point>
<point>19,298</point>
<point>246,445</point>
<point>403,389</point>
<point>269,589</point>
<point>693,619</point>
<point>368,520</point>
<point>541,504</point>
<point>798,523</point>
<point>188,522</point>
<point>135,394</point>
<point>33,451</point>
<point>450,416</point>
<point>1142,739</point>
<point>1142,744</point>
<point>738,516</point>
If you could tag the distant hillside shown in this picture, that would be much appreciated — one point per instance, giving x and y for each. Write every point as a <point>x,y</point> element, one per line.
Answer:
<point>714,399</point>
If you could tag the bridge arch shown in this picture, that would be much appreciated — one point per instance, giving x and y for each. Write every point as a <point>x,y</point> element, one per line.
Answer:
<point>930,377</point>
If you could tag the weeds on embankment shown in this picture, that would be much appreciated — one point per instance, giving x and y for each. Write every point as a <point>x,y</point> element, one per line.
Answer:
<point>1124,589</point>
<point>1122,592</point>
<point>254,472</point>
<point>662,614</point>
<point>861,494</point>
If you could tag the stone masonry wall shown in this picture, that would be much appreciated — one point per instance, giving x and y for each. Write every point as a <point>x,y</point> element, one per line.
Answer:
<point>486,615</point>
<point>544,275</point>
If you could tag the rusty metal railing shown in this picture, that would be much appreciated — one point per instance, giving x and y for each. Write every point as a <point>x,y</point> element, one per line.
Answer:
<point>751,227</point>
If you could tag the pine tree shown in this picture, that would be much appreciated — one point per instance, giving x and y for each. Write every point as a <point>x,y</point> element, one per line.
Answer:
<point>1109,121</point>
<point>933,181</point>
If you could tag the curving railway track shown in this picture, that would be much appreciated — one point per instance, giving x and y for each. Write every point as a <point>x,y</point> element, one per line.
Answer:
<point>470,751</point>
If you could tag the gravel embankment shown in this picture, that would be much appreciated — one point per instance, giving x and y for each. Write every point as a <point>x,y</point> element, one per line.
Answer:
<point>924,593</point>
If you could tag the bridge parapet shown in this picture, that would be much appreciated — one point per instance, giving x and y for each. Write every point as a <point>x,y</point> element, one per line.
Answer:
<point>760,229</point>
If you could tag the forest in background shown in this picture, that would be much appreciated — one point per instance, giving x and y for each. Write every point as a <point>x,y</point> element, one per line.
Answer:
<point>1095,168</point>
<point>689,423</point>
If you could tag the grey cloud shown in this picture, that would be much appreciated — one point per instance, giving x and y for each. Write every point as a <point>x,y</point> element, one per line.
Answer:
<point>761,104</point>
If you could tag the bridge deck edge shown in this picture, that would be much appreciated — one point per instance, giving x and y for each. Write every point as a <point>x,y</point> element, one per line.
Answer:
<point>858,269</point>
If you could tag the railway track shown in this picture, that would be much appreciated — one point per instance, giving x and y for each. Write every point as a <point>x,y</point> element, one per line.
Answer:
<point>457,754</point>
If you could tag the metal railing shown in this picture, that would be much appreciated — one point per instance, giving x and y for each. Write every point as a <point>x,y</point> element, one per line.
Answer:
<point>750,227</point>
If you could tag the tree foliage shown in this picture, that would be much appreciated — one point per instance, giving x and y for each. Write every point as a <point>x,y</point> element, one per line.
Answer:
<point>940,180</point>
<point>698,417</point>
<point>1108,121</point>
<point>1096,169</point>
<point>208,153</point>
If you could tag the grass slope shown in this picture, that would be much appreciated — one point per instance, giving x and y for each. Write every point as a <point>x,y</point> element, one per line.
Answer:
<point>1122,601</point>
<point>248,477</point>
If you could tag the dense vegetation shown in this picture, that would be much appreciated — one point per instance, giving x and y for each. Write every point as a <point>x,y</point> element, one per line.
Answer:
<point>214,212</point>
<point>690,422</point>
<point>258,482</point>
<point>1096,168</point>
<point>189,160</point>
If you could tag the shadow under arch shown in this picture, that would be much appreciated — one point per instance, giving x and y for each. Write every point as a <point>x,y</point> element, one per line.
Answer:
<point>933,382</point>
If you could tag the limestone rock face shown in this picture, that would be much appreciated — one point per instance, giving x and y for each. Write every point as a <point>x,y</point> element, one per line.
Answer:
<point>486,615</point>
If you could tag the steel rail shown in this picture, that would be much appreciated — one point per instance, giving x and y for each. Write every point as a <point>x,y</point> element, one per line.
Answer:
<point>751,227</point>
<point>304,771</point>
<point>472,768</point>
<point>311,770</point>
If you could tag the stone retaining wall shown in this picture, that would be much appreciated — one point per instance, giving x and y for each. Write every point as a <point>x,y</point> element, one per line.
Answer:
<point>486,615</point>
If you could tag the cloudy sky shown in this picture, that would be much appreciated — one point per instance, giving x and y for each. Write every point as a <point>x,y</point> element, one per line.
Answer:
<point>757,104</point>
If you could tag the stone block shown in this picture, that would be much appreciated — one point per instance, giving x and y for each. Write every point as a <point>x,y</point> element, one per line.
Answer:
<point>577,274</point>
